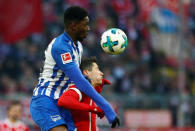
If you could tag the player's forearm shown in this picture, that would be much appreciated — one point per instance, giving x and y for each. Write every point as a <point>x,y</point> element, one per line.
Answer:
<point>68,101</point>
<point>83,85</point>
<point>74,106</point>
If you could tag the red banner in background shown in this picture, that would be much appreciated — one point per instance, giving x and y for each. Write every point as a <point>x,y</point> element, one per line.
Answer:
<point>19,18</point>
<point>147,6</point>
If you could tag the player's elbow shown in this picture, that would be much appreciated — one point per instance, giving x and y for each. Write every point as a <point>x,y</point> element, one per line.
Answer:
<point>60,102</point>
<point>63,103</point>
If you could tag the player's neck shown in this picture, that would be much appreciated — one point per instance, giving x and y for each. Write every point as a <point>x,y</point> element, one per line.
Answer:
<point>72,35</point>
<point>93,84</point>
<point>13,120</point>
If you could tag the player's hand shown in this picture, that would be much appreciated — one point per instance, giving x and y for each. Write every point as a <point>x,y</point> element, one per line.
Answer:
<point>105,82</point>
<point>95,109</point>
<point>115,122</point>
<point>100,114</point>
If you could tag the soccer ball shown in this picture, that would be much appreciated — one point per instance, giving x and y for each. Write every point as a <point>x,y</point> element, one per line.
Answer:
<point>113,41</point>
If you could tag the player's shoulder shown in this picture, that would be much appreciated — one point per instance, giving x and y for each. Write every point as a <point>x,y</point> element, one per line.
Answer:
<point>80,45</point>
<point>2,122</point>
<point>76,90</point>
<point>22,125</point>
<point>7,123</point>
<point>61,43</point>
<point>73,87</point>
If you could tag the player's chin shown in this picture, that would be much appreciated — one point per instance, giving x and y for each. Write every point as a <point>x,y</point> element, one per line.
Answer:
<point>82,38</point>
<point>84,35</point>
<point>100,82</point>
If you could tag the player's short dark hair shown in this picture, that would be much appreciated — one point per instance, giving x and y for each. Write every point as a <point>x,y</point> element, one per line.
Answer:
<point>87,63</point>
<point>74,13</point>
<point>13,103</point>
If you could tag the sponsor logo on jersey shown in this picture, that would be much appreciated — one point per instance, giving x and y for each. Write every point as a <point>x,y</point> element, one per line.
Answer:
<point>66,58</point>
<point>55,118</point>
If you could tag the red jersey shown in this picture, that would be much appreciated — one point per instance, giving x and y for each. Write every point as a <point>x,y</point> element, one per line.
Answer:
<point>80,106</point>
<point>83,120</point>
<point>7,125</point>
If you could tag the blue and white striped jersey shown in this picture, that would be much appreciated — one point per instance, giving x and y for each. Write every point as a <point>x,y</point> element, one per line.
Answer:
<point>60,55</point>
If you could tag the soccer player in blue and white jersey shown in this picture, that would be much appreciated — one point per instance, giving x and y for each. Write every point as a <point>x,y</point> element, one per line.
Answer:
<point>61,70</point>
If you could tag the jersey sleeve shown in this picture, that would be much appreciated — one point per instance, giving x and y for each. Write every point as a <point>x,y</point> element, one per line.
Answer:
<point>70,100</point>
<point>78,92</point>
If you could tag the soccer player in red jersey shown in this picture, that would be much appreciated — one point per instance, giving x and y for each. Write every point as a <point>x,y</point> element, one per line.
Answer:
<point>12,123</point>
<point>82,107</point>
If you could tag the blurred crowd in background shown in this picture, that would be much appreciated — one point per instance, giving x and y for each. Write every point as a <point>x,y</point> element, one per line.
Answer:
<point>150,65</point>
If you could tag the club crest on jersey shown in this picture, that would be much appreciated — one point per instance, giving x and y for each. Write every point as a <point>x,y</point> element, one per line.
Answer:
<point>66,58</point>
<point>55,118</point>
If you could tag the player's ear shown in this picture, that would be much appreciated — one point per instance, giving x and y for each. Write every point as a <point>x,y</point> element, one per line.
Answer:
<point>85,72</point>
<point>73,25</point>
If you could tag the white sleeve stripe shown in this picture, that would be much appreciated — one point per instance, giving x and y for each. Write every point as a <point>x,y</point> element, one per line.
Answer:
<point>78,92</point>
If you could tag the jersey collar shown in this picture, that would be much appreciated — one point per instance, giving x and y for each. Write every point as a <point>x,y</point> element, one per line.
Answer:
<point>69,38</point>
<point>67,35</point>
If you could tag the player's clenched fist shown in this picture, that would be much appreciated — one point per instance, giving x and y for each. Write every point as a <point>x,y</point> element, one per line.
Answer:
<point>97,110</point>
